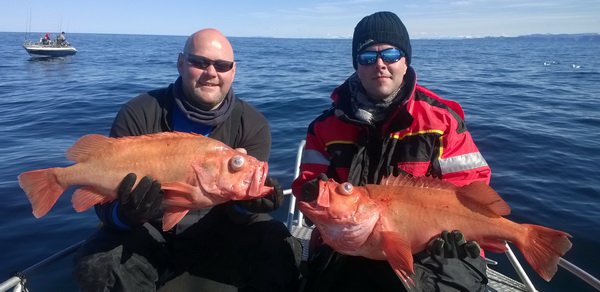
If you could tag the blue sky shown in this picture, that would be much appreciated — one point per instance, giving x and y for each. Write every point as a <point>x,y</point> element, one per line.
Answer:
<point>307,18</point>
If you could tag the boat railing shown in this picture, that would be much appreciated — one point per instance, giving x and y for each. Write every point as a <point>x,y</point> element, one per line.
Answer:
<point>18,281</point>
<point>50,44</point>
<point>292,205</point>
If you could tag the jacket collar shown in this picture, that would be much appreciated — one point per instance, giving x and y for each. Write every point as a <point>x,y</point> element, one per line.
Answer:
<point>342,96</point>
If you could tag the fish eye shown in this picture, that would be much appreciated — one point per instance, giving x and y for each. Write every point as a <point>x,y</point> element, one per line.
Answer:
<point>237,162</point>
<point>346,188</point>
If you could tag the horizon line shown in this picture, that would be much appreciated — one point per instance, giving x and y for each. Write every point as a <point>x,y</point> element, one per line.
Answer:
<point>334,37</point>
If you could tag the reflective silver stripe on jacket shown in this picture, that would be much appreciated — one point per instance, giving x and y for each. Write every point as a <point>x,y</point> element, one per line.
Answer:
<point>462,162</point>
<point>314,157</point>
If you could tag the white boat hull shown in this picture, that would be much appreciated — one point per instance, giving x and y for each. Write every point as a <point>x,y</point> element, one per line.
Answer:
<point>39,50</point>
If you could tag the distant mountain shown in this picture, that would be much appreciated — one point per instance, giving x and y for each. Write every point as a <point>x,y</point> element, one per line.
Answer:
<point>574,36</point>
<point>539,36</point>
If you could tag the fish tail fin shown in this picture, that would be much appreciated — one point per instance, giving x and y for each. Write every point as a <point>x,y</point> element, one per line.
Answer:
<point>543,247</point>
<point>42,189</point>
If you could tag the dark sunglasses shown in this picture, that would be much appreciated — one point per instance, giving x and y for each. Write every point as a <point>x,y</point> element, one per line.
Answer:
<point>203,62</point>
<point>388,56</point>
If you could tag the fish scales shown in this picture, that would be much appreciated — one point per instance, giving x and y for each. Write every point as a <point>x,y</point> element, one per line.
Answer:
<point>195,172</point>
<point>400,216</point>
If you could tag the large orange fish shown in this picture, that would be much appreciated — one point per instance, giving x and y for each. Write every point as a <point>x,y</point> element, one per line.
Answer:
<point>399,217</point>
<point>195,172</point>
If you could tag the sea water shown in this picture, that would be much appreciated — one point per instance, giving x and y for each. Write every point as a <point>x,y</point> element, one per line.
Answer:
<point>531,104</point>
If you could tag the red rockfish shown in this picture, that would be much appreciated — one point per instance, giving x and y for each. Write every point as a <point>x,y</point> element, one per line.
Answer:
<point>399,217</point>
<point>195,172</point>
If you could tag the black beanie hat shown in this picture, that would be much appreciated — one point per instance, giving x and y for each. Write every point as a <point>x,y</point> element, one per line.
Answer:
<point>380,27</point>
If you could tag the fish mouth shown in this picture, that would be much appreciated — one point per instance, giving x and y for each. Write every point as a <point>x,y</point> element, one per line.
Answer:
<point>313,209</point>
<point>309,193</point>
<point>257,186</point>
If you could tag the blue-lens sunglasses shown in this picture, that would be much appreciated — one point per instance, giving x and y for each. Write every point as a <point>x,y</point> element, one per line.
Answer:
<point>388,56</point>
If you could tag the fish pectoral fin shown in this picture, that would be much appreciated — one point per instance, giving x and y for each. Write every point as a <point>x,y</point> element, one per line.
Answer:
<point>185,195</point>
<point>482,194</point>
<point>172,216</point>
<point>180,188</point>
<point>86,197</point>
<point>399,255</point>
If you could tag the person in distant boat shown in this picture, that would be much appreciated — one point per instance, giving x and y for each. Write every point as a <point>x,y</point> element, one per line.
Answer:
<point>46,39</point>
<point>232,246</point>
<point>61,40</point>
<point>383,123</point>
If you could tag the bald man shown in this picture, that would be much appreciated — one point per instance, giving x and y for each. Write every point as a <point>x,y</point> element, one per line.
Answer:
<point>230,247</point>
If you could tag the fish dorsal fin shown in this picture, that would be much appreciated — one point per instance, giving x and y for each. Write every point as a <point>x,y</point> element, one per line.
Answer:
<point>473,195</point>
<point>418,182</point>
<point>165,136</point>
<point>482,194</point>
<point>88,146</point>
<point>93,144</point>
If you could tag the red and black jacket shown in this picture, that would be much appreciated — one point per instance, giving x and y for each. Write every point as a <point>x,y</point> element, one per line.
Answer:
<point>424,135</point>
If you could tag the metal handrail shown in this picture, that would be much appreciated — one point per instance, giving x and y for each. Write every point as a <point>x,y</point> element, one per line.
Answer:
<point>292,205</point>
<point>583,275</point>
<point>519,269</point>
<point>563,263</point>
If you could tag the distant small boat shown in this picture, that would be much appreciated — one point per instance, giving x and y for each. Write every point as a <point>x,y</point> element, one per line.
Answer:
<point>49,49</point>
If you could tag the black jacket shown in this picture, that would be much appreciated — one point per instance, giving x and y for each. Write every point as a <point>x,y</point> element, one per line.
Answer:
<point>151,112</point>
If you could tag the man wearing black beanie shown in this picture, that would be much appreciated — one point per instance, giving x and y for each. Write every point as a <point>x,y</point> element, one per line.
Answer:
<point>383,123</point>
<point>381,27</point>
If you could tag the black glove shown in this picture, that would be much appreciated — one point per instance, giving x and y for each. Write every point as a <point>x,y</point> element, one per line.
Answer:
<point>310,191</point>
<point>453,245</point>
<point>450,263</point>
<point>268,203</point>
<point>142,204</point>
